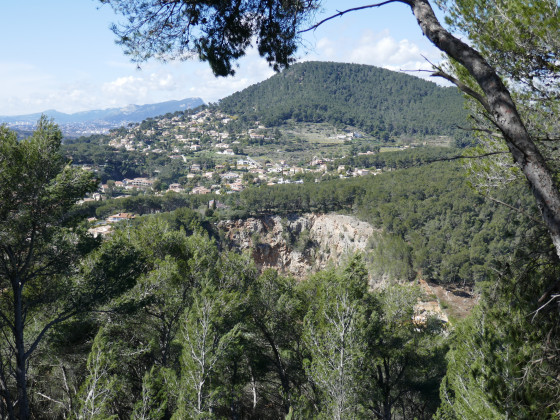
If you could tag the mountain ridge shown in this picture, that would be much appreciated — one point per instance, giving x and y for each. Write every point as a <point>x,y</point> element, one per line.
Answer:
<point>128,113</point>
<point>380,102</point>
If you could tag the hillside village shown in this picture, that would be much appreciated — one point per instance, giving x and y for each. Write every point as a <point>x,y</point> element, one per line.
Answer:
<point>226,168</point>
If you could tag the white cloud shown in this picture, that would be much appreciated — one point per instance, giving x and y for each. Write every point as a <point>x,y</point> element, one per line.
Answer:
<point>201,82</point>
<point>138,88</point>
<point>326,47</point>
<point>116,84</point>
<point>384,50</point>
<point>33,91</point>
<point>377,49</point>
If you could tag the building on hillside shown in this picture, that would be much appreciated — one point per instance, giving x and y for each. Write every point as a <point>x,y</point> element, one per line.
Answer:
<point>104,230</point>
<point>120,217</point>
<point>176,188</point>
<point>236,186</point>
<point>200,190</point>
<point>361,172</point>
<point>276,169</point>
<point>139,183</point>
<point>229,176</point>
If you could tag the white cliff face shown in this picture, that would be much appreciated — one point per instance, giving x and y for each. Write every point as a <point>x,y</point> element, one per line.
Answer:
<point>298,245</point>
<point>302,245</point>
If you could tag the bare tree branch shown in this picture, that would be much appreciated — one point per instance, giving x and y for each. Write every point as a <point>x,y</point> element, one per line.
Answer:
<point>463,87</point>
<point>538,221</point>
<point>354,9</point>
<point>481,130</point>
<point>60,318</point>
<point>535,313</point>
<point>446,159</point>
<point>50,399</point>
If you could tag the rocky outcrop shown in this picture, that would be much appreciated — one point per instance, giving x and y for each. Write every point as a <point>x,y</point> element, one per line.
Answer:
<point>298,244</point>
<point>303,244</point>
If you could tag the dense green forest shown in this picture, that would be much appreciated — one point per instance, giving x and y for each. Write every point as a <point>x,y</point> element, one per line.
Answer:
<point>434,223</point>
<point>503,361</point>
<point>379,102</point>
<point>164,319</point>
<point>161,320</point>
<point>202,334</point>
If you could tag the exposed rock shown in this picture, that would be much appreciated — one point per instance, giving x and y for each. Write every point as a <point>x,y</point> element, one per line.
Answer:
<point>298,244</point>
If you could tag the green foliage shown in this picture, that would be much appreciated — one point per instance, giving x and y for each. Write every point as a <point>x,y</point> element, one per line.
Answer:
<point>153,405</point>
<point>433,222</point>
<point>520,40</point>
<point>392,257</point>
<point>503,360</point>
<point>404,365</point>
<point>106,273</point>
<point>202,335</point>
<point>366,358</point>
<point>94,150</point>
<point>100,388</point>
<point>210,335</point>
<point>334,333</point>
<point>277,306</point>
<point>41,246</point>
<point>528,36</point>
<point>377,101</point>
<point>216,32</point>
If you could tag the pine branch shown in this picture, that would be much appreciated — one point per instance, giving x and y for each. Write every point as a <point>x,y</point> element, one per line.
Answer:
<point>354,9</point>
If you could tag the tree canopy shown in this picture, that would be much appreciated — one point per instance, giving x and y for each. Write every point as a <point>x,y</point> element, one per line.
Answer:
<point>378,101</point>
<point>218,32</point>
<point>42,283</point>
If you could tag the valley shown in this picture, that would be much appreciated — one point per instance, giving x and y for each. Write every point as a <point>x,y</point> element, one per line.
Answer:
<point>268,250</point>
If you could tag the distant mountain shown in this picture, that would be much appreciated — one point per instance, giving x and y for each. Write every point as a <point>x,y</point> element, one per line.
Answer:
<point>377,101</point>
<point>101,120</point>
<point>130,113</point>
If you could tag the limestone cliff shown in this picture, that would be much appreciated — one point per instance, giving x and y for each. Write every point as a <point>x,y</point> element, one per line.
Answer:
<point>298,244</point>
<point>303,244</point>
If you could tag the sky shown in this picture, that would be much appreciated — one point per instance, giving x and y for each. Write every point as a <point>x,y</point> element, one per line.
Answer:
<point>62,55</point>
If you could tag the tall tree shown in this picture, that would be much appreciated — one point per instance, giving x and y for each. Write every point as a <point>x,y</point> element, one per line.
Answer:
<point>276,309</point>
<point>405,359</point>
<point>334,333</point>
<point>37,189</point>
<point>208,337</point>
<point>41,280</point>
<point>100,387</point>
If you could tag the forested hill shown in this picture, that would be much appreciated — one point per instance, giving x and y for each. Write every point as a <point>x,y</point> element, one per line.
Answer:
<point>377,101</point>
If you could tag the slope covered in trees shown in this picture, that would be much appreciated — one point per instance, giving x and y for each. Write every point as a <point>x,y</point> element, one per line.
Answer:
<point>433,222</point>
<point>377,101</point>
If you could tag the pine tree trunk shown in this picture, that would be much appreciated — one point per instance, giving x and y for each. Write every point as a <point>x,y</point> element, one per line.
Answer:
<point>20,373</point>
<point>499,104</point>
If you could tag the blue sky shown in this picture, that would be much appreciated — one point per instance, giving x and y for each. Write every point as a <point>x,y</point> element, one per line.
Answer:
<point>61,55</point>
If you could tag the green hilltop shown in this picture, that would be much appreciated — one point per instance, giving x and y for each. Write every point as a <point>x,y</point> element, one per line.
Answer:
<point>380,102</point>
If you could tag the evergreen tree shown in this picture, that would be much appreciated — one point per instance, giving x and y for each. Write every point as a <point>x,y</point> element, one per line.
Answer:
<point>100,388</point>
<point>154,401</point>
<point>38,249</point>
<point>334,334</point>
<point>209,335</point>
